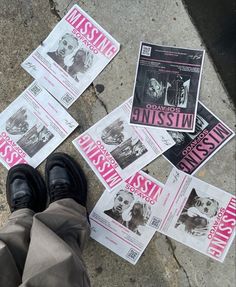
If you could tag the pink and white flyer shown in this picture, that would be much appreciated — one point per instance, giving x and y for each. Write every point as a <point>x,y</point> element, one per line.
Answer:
<point>32,126</point>
<point>196,214</point>
<point>115,150</point>
<point>72,56</point>
<point>119,219</point>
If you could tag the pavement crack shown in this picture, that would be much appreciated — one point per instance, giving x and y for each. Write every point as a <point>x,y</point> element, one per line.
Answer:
<point>100,100</point>
<point>169,242</point>
<point>66,8</point>
<point>102,103</point>
<point>54,10</point>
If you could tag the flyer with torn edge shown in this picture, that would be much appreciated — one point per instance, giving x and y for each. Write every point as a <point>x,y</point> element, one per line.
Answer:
<point>32,126</point>
<point>115,150</point>
<point>196,214</point>
<point>192,150</point>
<point>118,221</point>
<point>166,87</point>
<point>72,56</point>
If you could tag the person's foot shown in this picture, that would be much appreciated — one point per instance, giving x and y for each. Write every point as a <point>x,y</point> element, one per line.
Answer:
<point>25,188</point>
<point>65,179</point>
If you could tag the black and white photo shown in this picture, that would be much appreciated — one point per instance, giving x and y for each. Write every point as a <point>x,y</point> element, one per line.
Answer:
<point>66,46</point>
<point>196,214</point>
<point>177,90</point>
<point>200,125</point>
<point>82,61</point>
<point>36,138</point>
<point>121,202</point>
<point>18,123</point>
<point>138,217</point>
<point>128,152</point>
<point>114,133</point>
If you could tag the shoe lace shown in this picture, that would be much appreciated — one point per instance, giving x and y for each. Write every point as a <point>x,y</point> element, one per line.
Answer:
<point>22,202</point>
<point>59,190</point>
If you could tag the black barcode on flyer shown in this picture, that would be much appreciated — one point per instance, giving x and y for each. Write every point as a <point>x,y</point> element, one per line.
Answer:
<point>35,90</point>
<point>146,51</point>
<point>155,222</point>
<point>67,98</point>
<point>132,254</point>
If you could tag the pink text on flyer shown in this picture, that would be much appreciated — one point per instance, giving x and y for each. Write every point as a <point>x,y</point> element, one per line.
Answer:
<point>224,231</point>
<point>94,36</point>
<point>100,159</point>
<point>144,187</point>
<point>162,118</point>
<point>206,143</point>
<point>10,153</point>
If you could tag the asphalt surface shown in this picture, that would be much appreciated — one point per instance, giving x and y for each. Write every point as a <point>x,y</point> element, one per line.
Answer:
<point>216,22</point>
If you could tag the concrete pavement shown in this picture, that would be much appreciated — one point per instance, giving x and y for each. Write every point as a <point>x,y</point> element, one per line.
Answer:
<point>24,24</point>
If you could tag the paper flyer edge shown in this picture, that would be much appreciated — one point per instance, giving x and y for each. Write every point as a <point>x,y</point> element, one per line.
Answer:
<point>93,169</point>
<point>97,173</point>
<point>63,19</point>
<point>93,20</point>
<point>157,127</point>
<point>175,47</point>
<point>194,248</point>
<point>135,78</point>
<point>215,151</point>
<point>108,247</point>
<point>216,117</point>
<point>83,90</point>
<point>198,90</point>
<point>223,192</point>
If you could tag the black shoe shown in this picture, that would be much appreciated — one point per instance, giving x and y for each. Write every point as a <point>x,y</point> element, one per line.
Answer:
<point>25,188</point>
<point>65,179</point>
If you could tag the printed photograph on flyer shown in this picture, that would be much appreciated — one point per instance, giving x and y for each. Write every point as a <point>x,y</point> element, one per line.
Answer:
<point>203,216</point>
<point>119,219</point>
<point>166,87</point>
<point>30,127</point>
<point>192,150</point>
<point>72,55</point>
<point>115,150</point>
<point>121,141</point>
<point>129,212</point>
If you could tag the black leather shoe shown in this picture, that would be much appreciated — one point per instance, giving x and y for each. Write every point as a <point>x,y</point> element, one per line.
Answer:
<point>25,188</point>
<point>65,179</point>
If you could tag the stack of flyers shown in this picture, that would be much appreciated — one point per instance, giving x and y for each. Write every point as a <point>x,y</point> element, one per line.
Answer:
<point>71,57</point>
<point>192,150</point>
<point>166,87</point>
<point>32,127</point>
<point>196,214</point>
<point>119,219</point>
<point>116,150</point>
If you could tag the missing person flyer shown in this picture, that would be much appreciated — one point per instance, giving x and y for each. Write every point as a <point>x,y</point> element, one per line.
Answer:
<point>115,150</point>
<point>166,87</point>
<point>192,150</point>
<point>32,126</point>
<point>72,56</point>
<point>196,214</point>
<point>119,219</point>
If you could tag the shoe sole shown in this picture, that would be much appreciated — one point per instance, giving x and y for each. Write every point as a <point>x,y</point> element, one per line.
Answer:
<point>36,182</point>
<point>73,166</point>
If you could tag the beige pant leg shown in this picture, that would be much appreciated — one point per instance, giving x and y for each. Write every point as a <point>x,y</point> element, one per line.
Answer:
<point>58,236</point>
<point>14,242</point>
